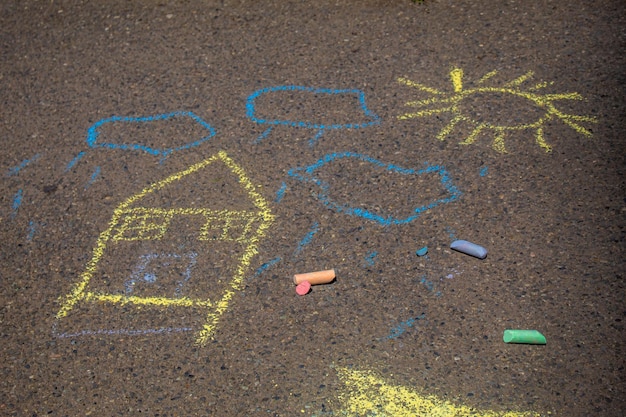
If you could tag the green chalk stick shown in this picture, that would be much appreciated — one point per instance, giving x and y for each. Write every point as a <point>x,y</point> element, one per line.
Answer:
<point>530,337</point>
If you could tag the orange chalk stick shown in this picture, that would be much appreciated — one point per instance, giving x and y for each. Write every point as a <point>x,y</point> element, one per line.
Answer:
<point>319,277</point>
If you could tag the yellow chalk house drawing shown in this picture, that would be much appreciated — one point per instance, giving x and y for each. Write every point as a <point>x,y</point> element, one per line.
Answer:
<point>137,223</point>
<point>454,103</point>
<point>366,394</point>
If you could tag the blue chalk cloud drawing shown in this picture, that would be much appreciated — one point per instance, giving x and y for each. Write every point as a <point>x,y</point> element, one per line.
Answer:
<point>308,174</point>
<point>94,141</point>
<point>366,116</point>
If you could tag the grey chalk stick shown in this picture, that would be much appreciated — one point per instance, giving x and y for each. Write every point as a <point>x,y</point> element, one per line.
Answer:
<point>469,248</point>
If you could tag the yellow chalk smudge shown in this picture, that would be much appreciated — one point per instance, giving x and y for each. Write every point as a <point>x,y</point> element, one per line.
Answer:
<point>366,394</point>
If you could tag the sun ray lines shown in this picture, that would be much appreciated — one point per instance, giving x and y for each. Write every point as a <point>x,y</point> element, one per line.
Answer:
<point>487,76</point>
<point>453,103</point>
<point>562,96</point>
<point>419,86</point>
<point>540,85</point>
<point>472,136</point>
<point>457,79</point>
<point>541,141</point>
<point>449,127</point>
<point>520,80</point>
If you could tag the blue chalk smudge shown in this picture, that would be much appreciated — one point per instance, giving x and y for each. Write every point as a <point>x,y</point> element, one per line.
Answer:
<point>484,171</point>
<point>17,201</point>
<point>370,259</point>
<point>307,239</point>
<point>94,176</point>
<point>404,326</point>
<point>264,134</point>
<point>32,227</point>
<point>16,169</point>
<point>280,193</point>
<point>265,266</point>
<point>428,284</point>
<point>451,232</point>
<point>317,136</point>
<point>74,161</point>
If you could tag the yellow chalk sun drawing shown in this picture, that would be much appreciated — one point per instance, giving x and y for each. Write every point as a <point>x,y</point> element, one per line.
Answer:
<point>459,104</point>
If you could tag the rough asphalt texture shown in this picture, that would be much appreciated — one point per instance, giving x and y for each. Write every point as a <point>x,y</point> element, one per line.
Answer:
<point>350,185</point>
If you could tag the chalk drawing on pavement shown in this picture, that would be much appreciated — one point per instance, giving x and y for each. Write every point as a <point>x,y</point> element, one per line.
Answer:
<point>318,109</point>
<point>311,174</point>
<point>478,108</point>
<point>365,393</point>
<point>158,135</point>
<point>140,237</point>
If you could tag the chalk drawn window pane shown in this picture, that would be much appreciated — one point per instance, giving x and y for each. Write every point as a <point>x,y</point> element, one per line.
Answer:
<point>142,224</point>
<point>230,226</point>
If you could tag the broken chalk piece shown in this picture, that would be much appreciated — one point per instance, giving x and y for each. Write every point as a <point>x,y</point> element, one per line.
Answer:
<point>529,337</point>
<point>303,288</point>
<point>469,248</point>
<point>422,252</point>
<point>319,277</point>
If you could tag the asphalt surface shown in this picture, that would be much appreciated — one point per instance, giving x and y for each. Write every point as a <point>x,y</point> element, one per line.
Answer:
<point>167,167</point>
